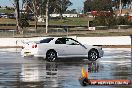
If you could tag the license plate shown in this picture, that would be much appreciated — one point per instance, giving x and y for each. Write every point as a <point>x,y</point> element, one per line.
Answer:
<point>27,53</point>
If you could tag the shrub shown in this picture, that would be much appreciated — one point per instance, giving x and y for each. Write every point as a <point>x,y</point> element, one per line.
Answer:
<point>123,20</point>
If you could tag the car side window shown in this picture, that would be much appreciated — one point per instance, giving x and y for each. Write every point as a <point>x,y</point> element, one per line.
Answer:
<point>71,42</point>
<point>47,40</point>
<point>60,41</point>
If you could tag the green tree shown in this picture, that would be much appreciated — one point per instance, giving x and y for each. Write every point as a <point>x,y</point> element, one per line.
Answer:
<point>73,11</point>
<point>33,6</point>
<point>59,6</point>
<point>63,5</point>
<point>98,5</point>
<point>39,7</point>
<point>104,12</point>
<point>15,3</point>
<point>17,10</point>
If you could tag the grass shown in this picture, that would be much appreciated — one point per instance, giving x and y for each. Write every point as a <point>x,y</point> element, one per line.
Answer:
<point>6,11</point>
<point>82,21</point>
<point>7,21</point>
<point>66,21</point>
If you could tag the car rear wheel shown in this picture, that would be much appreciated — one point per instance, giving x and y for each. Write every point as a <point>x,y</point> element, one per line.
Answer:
<point>93,55</point>
<point>51,56</point>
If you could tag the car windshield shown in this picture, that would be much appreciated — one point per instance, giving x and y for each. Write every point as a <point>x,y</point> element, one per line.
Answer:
<point>47,40</point>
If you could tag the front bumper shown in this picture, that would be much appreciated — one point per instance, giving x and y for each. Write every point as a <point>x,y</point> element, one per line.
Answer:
<point>101,53</point>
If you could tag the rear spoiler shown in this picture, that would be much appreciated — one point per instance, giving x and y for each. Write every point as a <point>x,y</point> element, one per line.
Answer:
<point>98,45</point>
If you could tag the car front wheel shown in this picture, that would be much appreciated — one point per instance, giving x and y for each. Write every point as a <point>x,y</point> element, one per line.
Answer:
<point>93,55</point>
<point>51,56</point>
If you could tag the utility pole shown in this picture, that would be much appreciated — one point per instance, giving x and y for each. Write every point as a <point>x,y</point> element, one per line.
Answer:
<point>47,16</point>
<point>35,13</point>
<point>130,5</point>
<point>120,7</point>
<point>131,53</point>
<point>17,11</point>
<point>88,21</point>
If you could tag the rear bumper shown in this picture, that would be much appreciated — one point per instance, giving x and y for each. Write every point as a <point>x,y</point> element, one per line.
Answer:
<point>26,52</point>
<point>35,53</point>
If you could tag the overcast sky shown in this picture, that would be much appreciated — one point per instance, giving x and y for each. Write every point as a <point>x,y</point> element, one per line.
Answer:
<point>77,4</point>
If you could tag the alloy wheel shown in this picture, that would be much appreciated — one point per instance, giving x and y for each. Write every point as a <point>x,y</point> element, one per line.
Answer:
<point>93,55</point>
<point>51,56</point>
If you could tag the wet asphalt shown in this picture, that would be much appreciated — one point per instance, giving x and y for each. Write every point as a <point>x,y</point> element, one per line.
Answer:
<point>30,72</point>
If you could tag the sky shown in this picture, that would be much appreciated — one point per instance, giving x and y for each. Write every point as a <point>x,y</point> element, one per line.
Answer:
<point>5,3</point>
<point>77,4</point>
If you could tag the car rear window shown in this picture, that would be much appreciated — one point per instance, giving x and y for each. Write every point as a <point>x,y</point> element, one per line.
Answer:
<point>47,40</point>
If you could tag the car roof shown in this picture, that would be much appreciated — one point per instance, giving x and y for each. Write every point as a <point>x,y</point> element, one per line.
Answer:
<point>59,37</point>
<point>55,38</point>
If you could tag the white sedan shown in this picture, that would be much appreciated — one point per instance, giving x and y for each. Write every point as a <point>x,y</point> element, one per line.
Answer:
<point>53,48</point>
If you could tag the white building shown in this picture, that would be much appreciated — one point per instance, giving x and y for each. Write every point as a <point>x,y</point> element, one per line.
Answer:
<point>64,15</point>
<point>54,15</point>
<point>70,15</point>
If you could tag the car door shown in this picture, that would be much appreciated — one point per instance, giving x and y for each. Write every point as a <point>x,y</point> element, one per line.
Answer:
<point>74,48</point>
<point>60,46</point>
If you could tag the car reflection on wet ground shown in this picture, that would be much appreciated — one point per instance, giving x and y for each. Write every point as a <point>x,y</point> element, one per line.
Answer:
<point>31,72</point>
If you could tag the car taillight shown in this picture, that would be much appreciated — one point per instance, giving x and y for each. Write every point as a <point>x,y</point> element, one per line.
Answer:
<point>34,46</point>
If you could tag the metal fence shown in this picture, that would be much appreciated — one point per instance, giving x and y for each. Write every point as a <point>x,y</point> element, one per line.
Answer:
<point>83,31</point>
<point>31,32</point>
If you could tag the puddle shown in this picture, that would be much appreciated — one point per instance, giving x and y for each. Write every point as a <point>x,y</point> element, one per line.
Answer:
<point>16,71</point>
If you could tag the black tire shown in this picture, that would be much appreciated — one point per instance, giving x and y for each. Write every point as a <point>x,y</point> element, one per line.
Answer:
<point>93,55</point>
<point>51,56</point>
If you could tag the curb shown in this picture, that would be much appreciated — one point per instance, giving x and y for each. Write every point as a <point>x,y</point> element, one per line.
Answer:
<point>10,46</point>
<point>103,46</point>
<point>116,46</point>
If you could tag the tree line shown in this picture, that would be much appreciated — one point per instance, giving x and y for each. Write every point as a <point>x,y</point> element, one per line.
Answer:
<point>105,15</point>
<point>46,7</point>
<point>105,5</point>
<point>39,7</point>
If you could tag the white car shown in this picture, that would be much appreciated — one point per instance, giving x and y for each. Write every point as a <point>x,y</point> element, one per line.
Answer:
<point>53,48</point>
